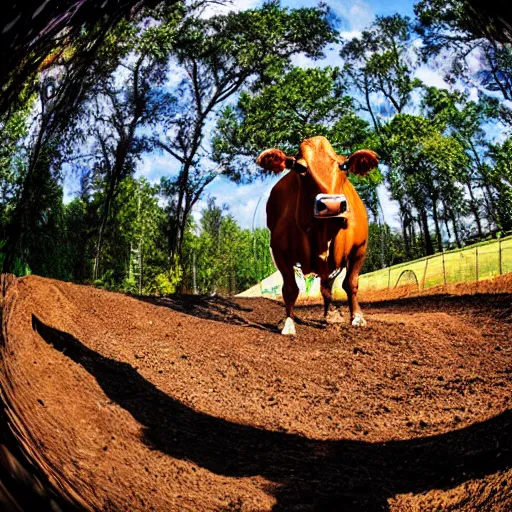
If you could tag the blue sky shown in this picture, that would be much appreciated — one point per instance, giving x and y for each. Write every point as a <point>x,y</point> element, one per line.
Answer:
<point>247,202</point>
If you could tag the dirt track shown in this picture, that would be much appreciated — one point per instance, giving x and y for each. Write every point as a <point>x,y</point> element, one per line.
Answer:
<point>196,404</point>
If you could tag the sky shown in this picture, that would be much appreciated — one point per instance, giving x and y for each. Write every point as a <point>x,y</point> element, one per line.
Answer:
<point>247,202</point>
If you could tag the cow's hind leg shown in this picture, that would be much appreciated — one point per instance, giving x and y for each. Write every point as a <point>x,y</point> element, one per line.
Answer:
<point>350,285</point>
<point>290,294</point>
<point>332,315</point>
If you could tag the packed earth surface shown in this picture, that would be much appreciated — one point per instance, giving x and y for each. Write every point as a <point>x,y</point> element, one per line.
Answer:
<point>190,403</point>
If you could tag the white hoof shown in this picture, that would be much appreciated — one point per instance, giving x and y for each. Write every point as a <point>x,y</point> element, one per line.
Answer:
<point>334,316</point>
<point>358,320</point>
<point>289,328</point>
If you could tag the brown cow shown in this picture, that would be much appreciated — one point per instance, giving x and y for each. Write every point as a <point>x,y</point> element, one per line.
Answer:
<point>317,219</point>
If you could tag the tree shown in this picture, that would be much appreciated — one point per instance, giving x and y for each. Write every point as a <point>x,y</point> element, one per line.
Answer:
<point>125,100</point>
<point>144,266</point>
<point>223,257</point>
<point>37,33</point>
<point>464,120</point>
<point>13,129</point>
<point>300,104</point>
<point>469,29</point>
<point>500,178</point>
<point>378,66</point>
<point>425,171</point>
<point>394,249</point>
<point>220,56</point>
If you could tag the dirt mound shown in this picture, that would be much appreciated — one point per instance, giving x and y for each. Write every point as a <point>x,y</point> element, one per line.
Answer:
<point>191,403</point>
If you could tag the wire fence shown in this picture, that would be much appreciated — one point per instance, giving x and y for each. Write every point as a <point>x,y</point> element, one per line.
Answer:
<point>484,260</point>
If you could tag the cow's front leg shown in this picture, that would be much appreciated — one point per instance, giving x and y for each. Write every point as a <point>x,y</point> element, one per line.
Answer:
<point>290,294</point>
<point>332,314</point>
<point>350,285</point>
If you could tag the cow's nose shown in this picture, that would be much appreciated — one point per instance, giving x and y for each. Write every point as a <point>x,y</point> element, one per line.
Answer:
<point>320,206</point>
<point>330,205</point>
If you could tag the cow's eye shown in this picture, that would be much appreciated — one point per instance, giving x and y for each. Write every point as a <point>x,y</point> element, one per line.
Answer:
<point>301,169</point>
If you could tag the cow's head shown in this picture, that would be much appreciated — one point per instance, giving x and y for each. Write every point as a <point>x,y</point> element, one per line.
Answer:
<point>322,171</point>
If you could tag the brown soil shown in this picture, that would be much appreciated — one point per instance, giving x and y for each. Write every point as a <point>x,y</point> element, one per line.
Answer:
<point>118,403</point>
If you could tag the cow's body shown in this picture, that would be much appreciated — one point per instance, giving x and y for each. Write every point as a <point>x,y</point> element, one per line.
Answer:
<point>323,246</point>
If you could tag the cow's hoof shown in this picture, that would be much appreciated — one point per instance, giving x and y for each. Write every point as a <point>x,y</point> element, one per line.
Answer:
<point>289,328</point>
<point>358,320</point>
<point>334,317</point>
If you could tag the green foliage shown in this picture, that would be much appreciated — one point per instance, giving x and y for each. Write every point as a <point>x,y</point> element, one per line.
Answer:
<point>449,180</point>
<point>165,283</point>
<point>302,103</point>
<point>225,258</point>
<point>467,32</point>
<point>20,268</point>
<point>379,65</point>
<point>500,177</point>
<point>253,42</point>
<point>385,248</point>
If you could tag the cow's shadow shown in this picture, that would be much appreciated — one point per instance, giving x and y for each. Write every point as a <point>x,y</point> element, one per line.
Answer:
<point>222,309</point>
<point>306,474</point>
<point>217,308</point>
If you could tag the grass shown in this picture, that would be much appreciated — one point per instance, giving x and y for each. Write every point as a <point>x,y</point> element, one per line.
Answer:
<point>475,262</point>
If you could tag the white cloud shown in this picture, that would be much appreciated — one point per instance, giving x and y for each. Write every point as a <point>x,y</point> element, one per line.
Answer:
<point>156,165</point>
<point>213,9</point>
<point>350,34</point>
<point>175,75</point>
<point>360,15</point>
<point>431,77</point>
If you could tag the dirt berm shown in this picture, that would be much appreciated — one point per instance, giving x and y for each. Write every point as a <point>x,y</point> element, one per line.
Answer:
<point>116,403</point>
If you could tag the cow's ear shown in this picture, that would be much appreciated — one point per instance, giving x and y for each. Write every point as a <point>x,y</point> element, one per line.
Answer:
<point>274,160</point>
<point>361,162</point>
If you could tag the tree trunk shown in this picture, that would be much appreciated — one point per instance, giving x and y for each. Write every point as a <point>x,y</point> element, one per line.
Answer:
<point>436,224</point>
<point>412,237</point>
<point>429,248</point>
<point>99,244</point>
<point>140,266</point>
<point>404,217</point>
<point>455,229</point>
<point>101,230</point>
<point>474,209</point>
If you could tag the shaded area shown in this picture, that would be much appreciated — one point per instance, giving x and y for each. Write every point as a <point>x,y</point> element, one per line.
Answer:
<point>249,312</point>
<point>318,475</point>
<point>220,309</point>
<point>233,311</point>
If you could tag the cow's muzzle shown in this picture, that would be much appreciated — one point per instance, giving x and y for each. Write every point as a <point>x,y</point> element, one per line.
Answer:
<point>330,205</point>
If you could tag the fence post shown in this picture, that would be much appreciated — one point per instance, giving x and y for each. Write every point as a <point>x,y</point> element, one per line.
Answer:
<point>444,268</point>
<point>500,256</point>
<point>424,275</point>
<point>476,264</point>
